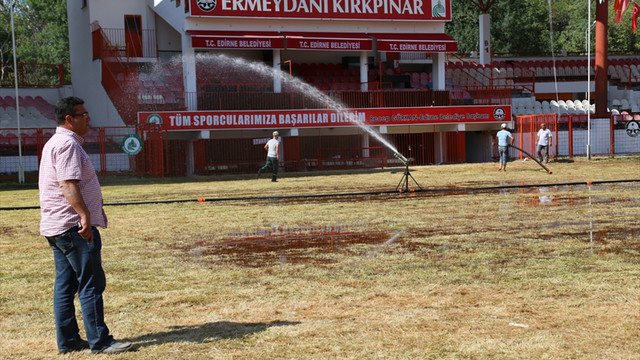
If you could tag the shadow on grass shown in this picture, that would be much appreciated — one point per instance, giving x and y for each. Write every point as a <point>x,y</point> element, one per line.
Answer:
<point>564,160</point>
<point>205,333</point>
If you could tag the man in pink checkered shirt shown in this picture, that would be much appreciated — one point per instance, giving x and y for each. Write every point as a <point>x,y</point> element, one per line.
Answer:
<point>71,209</point>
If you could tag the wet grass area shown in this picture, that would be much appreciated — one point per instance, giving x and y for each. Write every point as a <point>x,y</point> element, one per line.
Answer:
<point>445,247</point>
<point>499,228</point>
<point>309,248</point>
<point>560,195</point>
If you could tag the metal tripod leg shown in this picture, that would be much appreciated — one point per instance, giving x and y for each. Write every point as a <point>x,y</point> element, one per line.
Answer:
<point>406,177</point>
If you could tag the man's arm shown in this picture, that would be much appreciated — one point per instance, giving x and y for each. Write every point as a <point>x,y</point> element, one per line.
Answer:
<point>278,150</point>
<point>72,193</point>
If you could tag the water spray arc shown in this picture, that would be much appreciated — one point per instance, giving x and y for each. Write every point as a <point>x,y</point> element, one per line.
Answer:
<point>260,70</point>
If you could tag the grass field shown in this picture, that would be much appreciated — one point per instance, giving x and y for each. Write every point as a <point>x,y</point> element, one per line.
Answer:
<point>480,265</point>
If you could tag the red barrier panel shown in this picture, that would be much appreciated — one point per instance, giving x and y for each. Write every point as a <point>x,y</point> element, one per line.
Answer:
<point>574,133</point>
<point>528,125</point>
<point>104,146</point>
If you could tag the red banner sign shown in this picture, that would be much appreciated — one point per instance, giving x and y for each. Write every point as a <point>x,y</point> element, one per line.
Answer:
<point>416,42</point>
<point>434,10</point>
<point>328,41</point>
<point>280,119</point>
<point>236,40</point>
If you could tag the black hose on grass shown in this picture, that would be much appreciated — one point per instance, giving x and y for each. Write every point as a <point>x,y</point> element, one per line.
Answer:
<point>366,193</point>
<point>532,157</point>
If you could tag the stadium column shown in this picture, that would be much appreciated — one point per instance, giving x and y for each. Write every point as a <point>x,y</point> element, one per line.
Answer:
<point>365,145</point>
<point>364,72</point>
<point>190,91</point>
<point>485,39</point>
<point>277,80</point>
<point>438,71</point>
<point>189,72</point>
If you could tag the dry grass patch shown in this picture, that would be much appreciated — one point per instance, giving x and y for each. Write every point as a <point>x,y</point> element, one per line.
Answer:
<point>533,272</point>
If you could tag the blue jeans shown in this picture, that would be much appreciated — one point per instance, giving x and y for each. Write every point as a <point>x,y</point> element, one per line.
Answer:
<point>79,269</point>
<point>546,152</point>
<point>504,155</point>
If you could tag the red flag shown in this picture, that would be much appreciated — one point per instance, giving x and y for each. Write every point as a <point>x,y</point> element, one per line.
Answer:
<point>620,6</point>
<point>617,4</point>
<point>634,20</point>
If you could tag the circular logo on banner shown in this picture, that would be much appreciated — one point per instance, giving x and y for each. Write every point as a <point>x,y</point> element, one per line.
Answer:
<point>132,144</point>
<point>438,10</point>
<point>633,128</point>
<point>499,114</point>
<point>154,119</point>
<point>207,5</point>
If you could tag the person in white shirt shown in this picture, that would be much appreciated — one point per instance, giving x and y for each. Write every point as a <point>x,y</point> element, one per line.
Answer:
<point>273,155</point>
<point>543,141</point>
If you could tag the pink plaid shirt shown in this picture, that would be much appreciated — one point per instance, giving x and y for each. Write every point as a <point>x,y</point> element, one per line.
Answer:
<point>63,158</point>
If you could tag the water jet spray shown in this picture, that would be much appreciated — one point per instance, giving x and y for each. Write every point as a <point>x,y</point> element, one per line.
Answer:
<point>262,71</point>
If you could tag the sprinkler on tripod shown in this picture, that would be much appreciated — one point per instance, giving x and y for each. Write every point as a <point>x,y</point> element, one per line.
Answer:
<point>406,175</point>
<point>401,157</point>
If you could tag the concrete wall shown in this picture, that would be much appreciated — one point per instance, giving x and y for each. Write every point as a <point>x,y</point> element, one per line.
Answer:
<point>110,14</point>
<point>169,39</point>
<point>86,74</point>
<point>167,10</point>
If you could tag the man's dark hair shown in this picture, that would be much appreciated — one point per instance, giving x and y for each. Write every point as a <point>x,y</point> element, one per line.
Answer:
<point>66,106</point>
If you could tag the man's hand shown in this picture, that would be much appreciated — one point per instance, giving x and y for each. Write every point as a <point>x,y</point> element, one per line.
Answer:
<point>72,193</point>
<point>86,231</point>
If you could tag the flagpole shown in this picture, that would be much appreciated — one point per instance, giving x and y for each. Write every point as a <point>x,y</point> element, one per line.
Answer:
<point>15,76</point>
<point>589,79</point>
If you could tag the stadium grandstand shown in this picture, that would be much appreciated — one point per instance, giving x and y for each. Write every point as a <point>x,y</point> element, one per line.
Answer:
<point>201,84</point>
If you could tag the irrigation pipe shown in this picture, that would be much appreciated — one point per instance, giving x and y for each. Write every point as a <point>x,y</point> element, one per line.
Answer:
<point>366,193</point>
<point>531,157</point>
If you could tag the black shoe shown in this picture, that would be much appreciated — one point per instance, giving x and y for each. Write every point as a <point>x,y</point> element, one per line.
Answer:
<point>117,347</point>
<point>259,172</point>
<point>77,346</point>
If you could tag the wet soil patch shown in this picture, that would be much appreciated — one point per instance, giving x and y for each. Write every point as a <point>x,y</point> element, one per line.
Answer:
<point>313,248</point>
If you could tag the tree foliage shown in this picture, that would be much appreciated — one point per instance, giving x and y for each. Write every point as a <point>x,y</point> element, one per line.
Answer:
<point>523,26</point>
<point>517,26</point>
<point>40,30</point>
